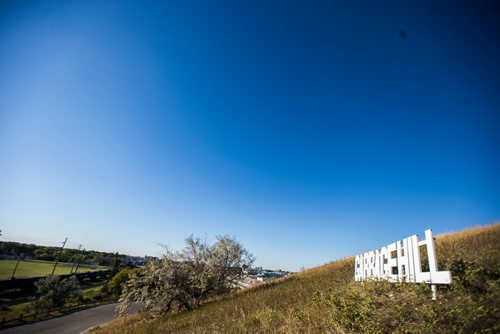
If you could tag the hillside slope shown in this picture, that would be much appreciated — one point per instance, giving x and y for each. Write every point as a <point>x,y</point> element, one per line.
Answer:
<point>326,299</point>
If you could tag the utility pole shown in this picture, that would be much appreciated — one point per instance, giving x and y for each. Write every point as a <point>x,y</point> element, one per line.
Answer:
<point>77,257</point>
<point>78,264</point>
<point>15,268</point>
<point>57,259</point>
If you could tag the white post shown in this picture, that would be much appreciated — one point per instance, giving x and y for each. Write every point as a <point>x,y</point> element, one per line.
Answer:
<point>431,254</point>
<point>431,251</point>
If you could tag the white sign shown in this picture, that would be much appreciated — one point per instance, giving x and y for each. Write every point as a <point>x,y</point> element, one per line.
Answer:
<point>401,261</point>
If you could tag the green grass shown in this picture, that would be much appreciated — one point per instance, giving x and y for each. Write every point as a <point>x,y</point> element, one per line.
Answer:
<point>14,311</point>
<point>327,300</point>
<point>92,291</point>
<point>38,268</point>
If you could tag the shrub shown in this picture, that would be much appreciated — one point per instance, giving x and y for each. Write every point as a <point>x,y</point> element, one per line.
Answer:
<point>184,279</point>
<point>115,286</point>
<point>54,292</point>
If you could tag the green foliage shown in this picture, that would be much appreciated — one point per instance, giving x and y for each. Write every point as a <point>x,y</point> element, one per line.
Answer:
<point>95,294</point>
<point>116,284</point>
<point>46,253</point>
<point>53,292</point>
<point>116,262</point>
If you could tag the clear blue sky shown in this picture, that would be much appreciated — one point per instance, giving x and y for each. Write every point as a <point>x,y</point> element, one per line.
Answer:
<point>309,131</point>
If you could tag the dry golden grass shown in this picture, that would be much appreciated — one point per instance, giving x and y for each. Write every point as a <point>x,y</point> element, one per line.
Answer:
<point>326,300</point>
<point>468,244</point>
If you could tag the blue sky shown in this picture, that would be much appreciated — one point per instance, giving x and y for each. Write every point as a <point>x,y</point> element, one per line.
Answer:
<point>309,131</point>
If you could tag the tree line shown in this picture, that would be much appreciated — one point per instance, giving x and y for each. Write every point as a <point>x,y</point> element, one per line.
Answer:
<point>48,253</point>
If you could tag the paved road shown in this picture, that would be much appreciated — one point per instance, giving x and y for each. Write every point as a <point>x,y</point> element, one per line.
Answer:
<point>73,323</point>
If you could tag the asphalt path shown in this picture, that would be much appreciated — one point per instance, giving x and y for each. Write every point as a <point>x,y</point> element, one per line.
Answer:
<point>73,323</point>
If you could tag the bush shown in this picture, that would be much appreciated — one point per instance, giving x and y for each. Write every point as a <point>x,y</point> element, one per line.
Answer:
<point>115,286</point>
<point>55,293</point>
<point>182,280</point>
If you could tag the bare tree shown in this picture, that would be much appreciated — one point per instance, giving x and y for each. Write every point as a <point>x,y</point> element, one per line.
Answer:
<point>184,279</point>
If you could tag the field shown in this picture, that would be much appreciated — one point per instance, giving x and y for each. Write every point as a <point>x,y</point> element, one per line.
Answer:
<point>38,268</point>
<point>327,300</point>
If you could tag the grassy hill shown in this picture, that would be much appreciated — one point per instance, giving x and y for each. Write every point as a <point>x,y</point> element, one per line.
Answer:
<point>326,299</point>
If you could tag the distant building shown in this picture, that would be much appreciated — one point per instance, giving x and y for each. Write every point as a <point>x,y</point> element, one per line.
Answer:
<point>137,261</point>
<point>129,260</point>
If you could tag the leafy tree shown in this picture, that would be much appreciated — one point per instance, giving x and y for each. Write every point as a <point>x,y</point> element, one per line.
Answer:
<point>41,254</point>
<point>54,293</point>
<point>115,285</point>
<point>97,258</point>
<point>65,255</point>
<point>117,263</point>
<point>182,280</point>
